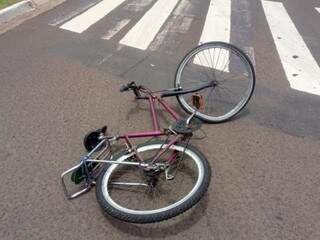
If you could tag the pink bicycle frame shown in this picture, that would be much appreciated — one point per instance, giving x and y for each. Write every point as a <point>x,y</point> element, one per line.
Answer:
<point>156,132</point>
<point>126,137</point>
<point>155,121</point>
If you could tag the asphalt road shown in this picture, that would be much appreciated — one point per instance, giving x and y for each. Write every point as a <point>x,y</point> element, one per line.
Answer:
<point>57,84</point>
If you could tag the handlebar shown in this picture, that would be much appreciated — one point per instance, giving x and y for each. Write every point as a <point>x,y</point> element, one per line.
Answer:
<point>124,88</point>
<point>133,86</point>
<point>137,90</point>
<point>127,87</point>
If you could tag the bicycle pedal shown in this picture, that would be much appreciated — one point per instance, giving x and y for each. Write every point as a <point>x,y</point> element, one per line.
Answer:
<point>198,101</point>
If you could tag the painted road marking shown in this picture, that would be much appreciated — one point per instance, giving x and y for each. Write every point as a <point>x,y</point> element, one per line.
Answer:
<point>217,23</point>
<point>142,34</point>
<point>178,23</point>
<point>138,5</point>
<point>217,28</point>
<point>116,29</point>
<point>301,69</point>
<point>132,9</point>
<point>318,9</point>
<point>74,13</point>
<point>91,16</point>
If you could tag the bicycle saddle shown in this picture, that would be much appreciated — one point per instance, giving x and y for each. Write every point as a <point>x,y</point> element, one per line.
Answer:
<point>181,126</point>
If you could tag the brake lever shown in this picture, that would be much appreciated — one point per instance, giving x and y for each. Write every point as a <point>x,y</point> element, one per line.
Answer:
<point>127,87</point>
<point>124,88</point>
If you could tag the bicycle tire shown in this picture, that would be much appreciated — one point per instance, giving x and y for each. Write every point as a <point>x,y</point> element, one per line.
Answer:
<point>193,59</point>
<point>134,216</point>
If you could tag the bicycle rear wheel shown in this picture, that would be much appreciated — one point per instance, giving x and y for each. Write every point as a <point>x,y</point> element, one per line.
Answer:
<point>132,194</point>
<point>232,76</point>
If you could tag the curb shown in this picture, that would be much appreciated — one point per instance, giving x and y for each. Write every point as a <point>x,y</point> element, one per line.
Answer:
<point>16,14</point>
<point>15,10</point>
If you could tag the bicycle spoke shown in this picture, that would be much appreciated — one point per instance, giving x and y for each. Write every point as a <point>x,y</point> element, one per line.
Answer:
<point>232,78</point>
<point>203,66</point>
<point>208,64</point>
<point>228,91</point>
<point>217,59</point>
<point>210,98</point>
<point>198,72</point>
<point>212,64</point>
<point>225,66</point>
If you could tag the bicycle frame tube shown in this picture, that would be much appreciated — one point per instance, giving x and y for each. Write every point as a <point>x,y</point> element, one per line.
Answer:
<point>156,132</point>
<point>177,92</point>
<point>154,116</point>
<point>173,141</point>
<point>173,113</point>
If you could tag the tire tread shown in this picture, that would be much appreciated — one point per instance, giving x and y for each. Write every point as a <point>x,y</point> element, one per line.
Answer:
<point>151,218</point>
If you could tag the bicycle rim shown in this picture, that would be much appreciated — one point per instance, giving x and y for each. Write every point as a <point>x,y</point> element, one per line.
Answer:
<point>165,196</point>
<point>231,74</point>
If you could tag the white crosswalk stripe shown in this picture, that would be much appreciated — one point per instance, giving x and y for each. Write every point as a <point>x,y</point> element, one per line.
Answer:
<point>163,20</point>
<point>91,16</point>
<point>72,14</point>
<point>142,34</point>
<point>179,23</point>
<point>218,18</point>
<point>217,24</point>
<point>302,71</point>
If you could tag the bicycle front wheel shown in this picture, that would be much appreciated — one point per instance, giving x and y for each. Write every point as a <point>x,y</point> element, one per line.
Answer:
<point>232,76</point>
<point>134,194</point>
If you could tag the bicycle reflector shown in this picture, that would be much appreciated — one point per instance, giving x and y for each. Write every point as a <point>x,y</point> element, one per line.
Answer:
<point>198,101</point>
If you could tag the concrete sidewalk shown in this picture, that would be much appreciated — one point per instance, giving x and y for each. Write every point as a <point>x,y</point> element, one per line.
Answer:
<point>17,13</point>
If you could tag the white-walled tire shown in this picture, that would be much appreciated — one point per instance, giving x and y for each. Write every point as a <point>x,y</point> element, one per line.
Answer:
<point>108,195</point>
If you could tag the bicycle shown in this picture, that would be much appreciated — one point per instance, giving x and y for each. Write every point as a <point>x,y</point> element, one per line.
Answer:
<point>161,179</point>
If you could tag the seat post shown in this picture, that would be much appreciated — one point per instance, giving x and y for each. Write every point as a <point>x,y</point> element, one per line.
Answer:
<point>154,115</point>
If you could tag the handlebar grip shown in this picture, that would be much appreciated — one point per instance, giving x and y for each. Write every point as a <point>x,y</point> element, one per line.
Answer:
<point>127,87</point>
<point>124,88</point>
